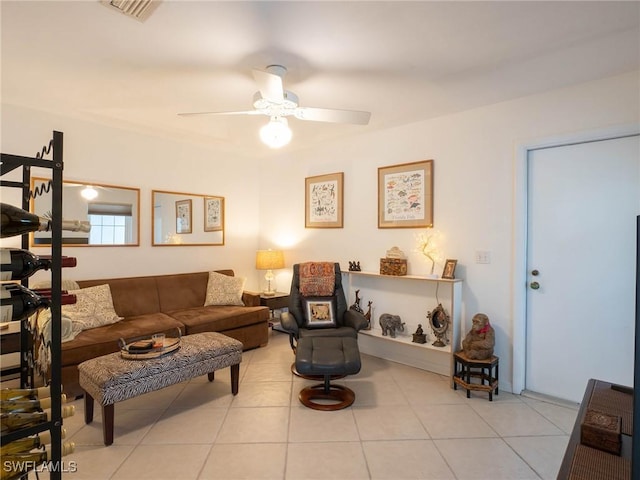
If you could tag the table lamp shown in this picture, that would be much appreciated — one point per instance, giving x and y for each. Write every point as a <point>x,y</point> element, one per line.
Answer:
<point>269,260</point>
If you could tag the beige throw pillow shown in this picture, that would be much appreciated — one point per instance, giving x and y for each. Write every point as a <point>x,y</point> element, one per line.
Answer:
<point>93,308</point>
<point>224,290</point>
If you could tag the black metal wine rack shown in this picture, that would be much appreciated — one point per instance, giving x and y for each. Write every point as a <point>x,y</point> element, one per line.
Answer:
<point>55,164</point>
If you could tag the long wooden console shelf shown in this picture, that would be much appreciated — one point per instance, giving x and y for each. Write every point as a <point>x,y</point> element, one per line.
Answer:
<point>411,297</point>
<point>585,463</point>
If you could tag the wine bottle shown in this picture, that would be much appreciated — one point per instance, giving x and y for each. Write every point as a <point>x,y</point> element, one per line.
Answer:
<point>10,421</point>
<point>14,465</point>
<point>18,302</point>
<point>18,264</point>
<point>29,443</point>
<point>16,221</point>
<point>66,298</point>
<point>24,393</point>
<point>28,405</point>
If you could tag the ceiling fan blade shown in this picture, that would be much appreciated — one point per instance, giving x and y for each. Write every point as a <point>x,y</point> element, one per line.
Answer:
<point>247,112</point>
<point>330,115</point>
<point>270,86</point>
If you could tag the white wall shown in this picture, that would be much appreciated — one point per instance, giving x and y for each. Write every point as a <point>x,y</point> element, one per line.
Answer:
<point>475,170</point>
<point>118,157</point>
<point>474,156</point>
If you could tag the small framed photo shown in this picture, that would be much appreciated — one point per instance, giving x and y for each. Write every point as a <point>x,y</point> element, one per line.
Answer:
<point>183,216</point>
<point>449,269</point>
<point>323,201</point>
<point>213,214</point>
<point>320,313</point>
<point>405,195</point>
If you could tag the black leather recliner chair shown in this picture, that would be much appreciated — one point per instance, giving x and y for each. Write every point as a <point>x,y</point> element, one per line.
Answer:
<point>347,322</point>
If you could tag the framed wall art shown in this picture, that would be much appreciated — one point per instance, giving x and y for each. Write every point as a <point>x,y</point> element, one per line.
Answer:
<point>213,214</point>
<point>405,195</point>
<point>323,201</point>
<point>183,216</point>
<point>449,269</point>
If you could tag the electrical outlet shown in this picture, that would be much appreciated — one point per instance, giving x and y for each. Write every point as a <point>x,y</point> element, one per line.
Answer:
<point>483,256</point>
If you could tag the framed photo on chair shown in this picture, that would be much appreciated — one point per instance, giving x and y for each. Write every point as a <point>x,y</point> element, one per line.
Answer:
<point>320,312</point>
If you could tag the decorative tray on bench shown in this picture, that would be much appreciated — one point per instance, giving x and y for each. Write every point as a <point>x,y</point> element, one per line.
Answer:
<point>144,349</point>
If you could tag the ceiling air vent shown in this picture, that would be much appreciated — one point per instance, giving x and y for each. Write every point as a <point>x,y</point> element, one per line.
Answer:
<point>138,9</point>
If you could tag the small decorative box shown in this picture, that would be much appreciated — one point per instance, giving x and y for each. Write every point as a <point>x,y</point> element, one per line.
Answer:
<point>393,266</point>
<point>602,431</point>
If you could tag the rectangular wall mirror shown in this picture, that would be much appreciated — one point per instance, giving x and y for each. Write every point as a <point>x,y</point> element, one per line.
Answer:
<point>112,211</point>
<point>187,219</point>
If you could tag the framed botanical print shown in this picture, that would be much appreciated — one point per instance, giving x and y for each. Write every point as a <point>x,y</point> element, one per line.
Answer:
<point>405,195</point>
<point>323,201</point>
<point>183,216</point>
<point>213,214</point>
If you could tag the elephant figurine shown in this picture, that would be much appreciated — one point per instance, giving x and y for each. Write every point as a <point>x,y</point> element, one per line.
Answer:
<point>390,323</point>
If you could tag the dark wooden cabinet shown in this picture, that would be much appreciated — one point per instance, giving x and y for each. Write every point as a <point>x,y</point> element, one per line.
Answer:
<point>586,463</point>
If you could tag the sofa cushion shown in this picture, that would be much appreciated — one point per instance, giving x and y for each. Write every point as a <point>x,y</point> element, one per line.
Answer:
<point>182,290</point>
<point>224,290</point>
<point>131,296</point>
<point>102,340</point>
<point>219,318</point>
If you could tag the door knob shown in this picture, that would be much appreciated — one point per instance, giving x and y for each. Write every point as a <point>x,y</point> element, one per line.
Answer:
<point>535,273</point>
<point>535,285</point>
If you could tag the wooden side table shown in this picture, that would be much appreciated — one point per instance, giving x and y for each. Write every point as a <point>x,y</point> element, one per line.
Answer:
<point>273,302</point>
<point>465,368</point>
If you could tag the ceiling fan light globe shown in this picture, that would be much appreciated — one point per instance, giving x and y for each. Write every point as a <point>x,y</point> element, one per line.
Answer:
<point>276,133</point>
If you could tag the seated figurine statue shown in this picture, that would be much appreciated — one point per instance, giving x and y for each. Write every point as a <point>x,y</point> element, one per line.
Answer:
<point>479,342</point>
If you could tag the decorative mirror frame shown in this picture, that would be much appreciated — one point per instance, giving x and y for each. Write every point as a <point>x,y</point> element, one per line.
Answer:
<point>439,321</point>
<point>186,219</point>
<point>75,239</point>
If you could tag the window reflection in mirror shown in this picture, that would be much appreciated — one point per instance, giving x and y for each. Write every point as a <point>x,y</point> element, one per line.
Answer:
<point>112,211</point>
<point>187,219</point>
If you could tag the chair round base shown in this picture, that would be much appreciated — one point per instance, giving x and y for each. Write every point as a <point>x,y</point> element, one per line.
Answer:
<point>343,396</point>
<point>295,371</point>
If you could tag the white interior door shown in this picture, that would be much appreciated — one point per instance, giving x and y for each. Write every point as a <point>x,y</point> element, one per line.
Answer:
<point>583,201</point>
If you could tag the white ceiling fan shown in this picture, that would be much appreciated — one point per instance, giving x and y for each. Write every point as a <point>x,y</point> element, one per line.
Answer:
<point>274,101</point>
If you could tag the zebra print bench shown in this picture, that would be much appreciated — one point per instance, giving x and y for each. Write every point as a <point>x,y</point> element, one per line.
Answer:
<point>110,379</point>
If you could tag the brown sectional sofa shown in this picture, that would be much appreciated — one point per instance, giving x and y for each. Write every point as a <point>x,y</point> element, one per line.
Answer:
<point>163,303</point>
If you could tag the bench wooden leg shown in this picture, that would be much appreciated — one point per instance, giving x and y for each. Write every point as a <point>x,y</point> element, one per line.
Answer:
<point>88,408</point>
<point>235,376</point>
<point>107,425</point>
<point>211,376</point>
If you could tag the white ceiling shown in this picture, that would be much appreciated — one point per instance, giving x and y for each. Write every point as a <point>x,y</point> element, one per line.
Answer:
<point>402,61</point>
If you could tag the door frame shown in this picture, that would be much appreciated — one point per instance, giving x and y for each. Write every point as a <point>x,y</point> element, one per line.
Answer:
<point>519,236</point>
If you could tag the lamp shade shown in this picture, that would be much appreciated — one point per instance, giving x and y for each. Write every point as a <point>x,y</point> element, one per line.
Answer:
<point>269,259</point>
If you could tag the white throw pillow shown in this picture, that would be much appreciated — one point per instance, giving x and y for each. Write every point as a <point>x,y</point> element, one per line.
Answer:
<point>93,308</point>
<point>224,290</point>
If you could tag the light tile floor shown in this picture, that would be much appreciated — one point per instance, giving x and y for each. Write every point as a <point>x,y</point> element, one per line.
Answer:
<point>405,424</point>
